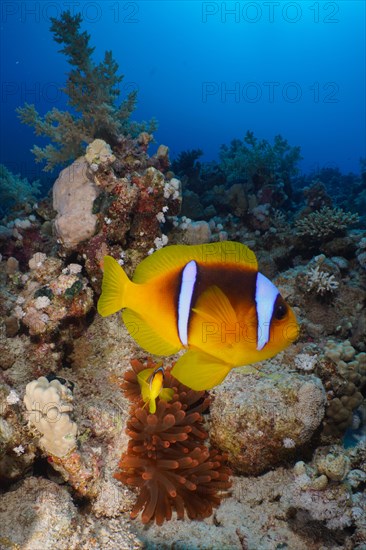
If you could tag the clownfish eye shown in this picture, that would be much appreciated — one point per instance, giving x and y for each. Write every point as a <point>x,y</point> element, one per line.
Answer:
<point>280,312</point>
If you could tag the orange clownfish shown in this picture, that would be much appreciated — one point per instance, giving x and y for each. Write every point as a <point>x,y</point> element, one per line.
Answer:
<point>209,299</point>
<point>151,384</point>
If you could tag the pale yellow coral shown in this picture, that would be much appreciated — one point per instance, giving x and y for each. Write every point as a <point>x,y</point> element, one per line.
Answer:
<point>48,406</point>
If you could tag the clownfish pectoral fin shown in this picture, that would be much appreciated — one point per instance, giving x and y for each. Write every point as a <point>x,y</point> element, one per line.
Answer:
<point>166,394</point>
<point>114,285</point>
<point>200,371</point>
<point>142,378</point>
<point>146,336</point>
<point>213,305</point>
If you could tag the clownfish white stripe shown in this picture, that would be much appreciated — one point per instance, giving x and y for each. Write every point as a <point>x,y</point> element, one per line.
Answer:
<point>265,298</point>
<point>189,275</point>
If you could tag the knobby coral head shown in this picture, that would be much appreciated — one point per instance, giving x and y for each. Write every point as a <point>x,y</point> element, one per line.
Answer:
<point>166,458</point>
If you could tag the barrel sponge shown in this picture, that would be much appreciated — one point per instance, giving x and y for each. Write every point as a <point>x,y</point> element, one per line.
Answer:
<point>48,406</point>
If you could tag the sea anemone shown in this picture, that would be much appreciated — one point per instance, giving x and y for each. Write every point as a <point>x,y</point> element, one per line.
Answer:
<point>166,458</point>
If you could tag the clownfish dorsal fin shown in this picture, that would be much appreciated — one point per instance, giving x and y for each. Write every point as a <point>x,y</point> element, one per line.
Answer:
<point>214,306</point>
<point>177,256</point>
<point>200,371</point>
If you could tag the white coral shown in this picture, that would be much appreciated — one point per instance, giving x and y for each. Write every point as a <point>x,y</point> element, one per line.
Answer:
<point>321,282</point>
<point>305,362</point>
<point>48,406</point>
<point>37,260</point>
<point>12,398</point>
<point>42,302</point>
<point>172,189</point>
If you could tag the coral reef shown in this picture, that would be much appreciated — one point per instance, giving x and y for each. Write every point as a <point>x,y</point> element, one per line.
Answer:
<point>78,457</point>
<point>251,173</point>
<point>316,197</point>
<point>52,297</point>
<point>92,91</point>
<point>166,458</point>
<point>114,204</point>
<point>128,212</point>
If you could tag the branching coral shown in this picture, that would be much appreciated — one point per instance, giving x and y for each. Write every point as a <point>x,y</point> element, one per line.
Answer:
<point>252,158</point>
<point>166,458</point>
<point>92,90</point>
<point>187,164</point>
<point>325,224</point>
<point>15,190</point>
<point>321,282</point>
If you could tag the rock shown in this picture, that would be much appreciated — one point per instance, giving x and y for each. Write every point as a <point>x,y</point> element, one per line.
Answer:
<point>197,233</point>
<point>237,199</point>
<point>73,197</point>
<point>38,514</point>
<point>335,465</point>
<point>11,326</point>
<point>260,422</point>
<point>191,205</point>
<point>5,232</point>
<point>12,266</point>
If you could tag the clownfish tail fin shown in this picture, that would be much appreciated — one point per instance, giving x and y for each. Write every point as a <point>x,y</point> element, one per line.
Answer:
<point>115,282</point>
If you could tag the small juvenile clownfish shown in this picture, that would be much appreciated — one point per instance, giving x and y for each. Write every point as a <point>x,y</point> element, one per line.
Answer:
<point>151,384</point>
<point>209,299</point>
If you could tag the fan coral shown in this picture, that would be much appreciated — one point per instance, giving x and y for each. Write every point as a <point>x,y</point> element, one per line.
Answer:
<point>92,90</point>
<point>325,224</point>
<point>166,458</point>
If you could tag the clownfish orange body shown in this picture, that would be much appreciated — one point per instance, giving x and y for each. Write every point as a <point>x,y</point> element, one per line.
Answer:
<point>209,299</point>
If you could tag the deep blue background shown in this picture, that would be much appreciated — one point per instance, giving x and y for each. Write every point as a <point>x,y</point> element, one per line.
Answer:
<point>296,68</point>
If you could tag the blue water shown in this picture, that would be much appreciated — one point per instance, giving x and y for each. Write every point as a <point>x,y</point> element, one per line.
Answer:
<point>208,71</point>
